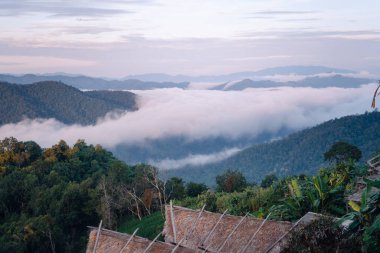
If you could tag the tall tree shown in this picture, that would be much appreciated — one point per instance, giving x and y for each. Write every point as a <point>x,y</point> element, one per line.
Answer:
<point>175,188</point>
<point>341,152</point>
<point>230,181</point>
<point>194,189</point>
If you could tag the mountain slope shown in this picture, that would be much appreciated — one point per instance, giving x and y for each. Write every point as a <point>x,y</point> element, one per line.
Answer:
<point>62,102</point>
<point>298,153</point>
<point>85,82</point>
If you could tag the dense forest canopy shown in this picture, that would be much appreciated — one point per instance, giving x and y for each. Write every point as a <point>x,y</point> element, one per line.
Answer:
<point>49,196</point>
<point>299,153</point>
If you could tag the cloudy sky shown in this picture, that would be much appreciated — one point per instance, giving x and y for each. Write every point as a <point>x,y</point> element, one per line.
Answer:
<point>116,38</point>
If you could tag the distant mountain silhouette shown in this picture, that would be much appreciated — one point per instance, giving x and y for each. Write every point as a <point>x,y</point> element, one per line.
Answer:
<point>91,83</point>
<point>315,82</point>
<point>286,70</point>
<point>158,80</point>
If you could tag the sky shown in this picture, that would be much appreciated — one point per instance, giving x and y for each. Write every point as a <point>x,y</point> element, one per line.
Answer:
<point>117,38</point>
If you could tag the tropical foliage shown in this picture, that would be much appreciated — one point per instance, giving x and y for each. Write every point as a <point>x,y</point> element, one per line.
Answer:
<point>49,196</point>
<point>364,218</point>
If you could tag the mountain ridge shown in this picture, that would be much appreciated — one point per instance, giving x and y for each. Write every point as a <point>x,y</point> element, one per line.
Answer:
<point>160,80</point>
<point>282,70</point>
<point>339,81</point>
<point>90,83</point>
<point>60,101</point>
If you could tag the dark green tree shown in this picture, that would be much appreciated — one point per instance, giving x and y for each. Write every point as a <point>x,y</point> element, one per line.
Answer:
<point>341,152</point>
<point>33,150</point>
<point>230,181</point>
<point>175,188</point>
<point>194,189</point>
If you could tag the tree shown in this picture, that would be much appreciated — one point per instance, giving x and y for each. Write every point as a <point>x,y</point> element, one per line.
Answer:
<point>194,189</point>
<point>341,152</point>
<point>268,180</point>
<point>230,181</point>
<point>33,149</point>
<point>175,188</point>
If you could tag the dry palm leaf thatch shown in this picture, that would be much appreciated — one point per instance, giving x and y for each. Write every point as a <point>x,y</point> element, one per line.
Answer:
<point>115,242</point>
<point>229,235</point>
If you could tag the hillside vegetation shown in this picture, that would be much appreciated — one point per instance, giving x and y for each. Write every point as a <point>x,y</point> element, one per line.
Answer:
<point>299,153</point>
<point>49,196</point>
<point>291,197</point>
<point>57,100</point>
<point>149,226</point>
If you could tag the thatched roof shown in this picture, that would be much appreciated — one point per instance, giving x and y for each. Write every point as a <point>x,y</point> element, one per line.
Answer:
<point>201,231</point>
<point>196,230</point>
<point>113,242</point>
<point>302,222</point>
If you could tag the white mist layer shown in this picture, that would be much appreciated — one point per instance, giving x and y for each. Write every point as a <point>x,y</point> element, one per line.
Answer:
<point>197,114</point>
<point>194,160</point>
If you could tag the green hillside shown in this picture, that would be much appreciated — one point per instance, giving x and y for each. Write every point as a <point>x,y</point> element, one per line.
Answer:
<point>60,101</point>
<point>298,153</point>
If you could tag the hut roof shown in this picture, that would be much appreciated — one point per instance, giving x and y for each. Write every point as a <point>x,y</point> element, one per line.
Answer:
<point>113,242</point>
<point>302,222</point>
<point>197,229</point>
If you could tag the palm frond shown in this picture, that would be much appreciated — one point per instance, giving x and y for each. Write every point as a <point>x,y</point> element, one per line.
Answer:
<point>374,96</point>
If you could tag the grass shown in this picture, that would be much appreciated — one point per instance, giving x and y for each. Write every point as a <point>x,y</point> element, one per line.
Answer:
<point>149,226</point>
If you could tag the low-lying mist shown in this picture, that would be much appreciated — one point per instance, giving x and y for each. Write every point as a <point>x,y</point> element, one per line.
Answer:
<point>194,159</point>
<point>198,114</point>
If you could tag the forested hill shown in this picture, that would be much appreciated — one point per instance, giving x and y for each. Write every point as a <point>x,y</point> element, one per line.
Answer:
<point>57,100</point>
<point>298,153</point>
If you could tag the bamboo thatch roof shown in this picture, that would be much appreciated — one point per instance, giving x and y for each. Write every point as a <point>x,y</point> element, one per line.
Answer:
<point>115,242</point>
<point>197,229</point>
<point>305,220</point>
